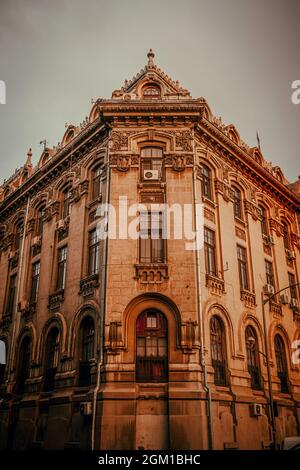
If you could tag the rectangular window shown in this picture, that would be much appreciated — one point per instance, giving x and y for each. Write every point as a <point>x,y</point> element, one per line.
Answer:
<point>293,290</point>
<point>93,262</point>
<point>243,267</point>
<point>11,295</point>
<point>269,273</point>
<point>35,279</point>
<point>151,159</point>
<point>61,268</point>
<point>210,252</point>
<point>152,245</point>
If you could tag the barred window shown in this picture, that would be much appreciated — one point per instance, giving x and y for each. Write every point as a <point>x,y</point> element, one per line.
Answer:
<point>35,279</point>
<point>237,203</point>
<point>86,350</point>
<point>269,273</point>
<point>218,350</point>
<point>51,359</point>
<point>281,364</point>
<point>97,182</point>
<point>94,245</point>
<point>152,244</point>
<point>66,202</point>
<point>293,287</point>
<point>206,182</point>
<point>151,347</point>
<point>210,252</point>
<point>61,268</point>
<point>243,267</point>
<point>23,364</point>
<point>264,220</point>
<point>11,295</point>
<point>253,357</point>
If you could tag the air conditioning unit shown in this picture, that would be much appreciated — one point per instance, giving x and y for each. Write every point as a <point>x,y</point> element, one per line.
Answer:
<point>269,240</point>
<point>60,225</point>
<point>151,175</point>
<point>36,241</point>
<point>23,305</point>
<point>256,409</point>
<point>269,289</point>
<point>290,255</point>
<point>86,408</point>
<point>284,299</point>
<point>294,303</point>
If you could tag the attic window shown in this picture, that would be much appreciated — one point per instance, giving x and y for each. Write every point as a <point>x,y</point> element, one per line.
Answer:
<point>151,92</point>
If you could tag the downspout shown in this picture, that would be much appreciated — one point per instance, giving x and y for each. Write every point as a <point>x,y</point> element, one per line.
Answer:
<point>15,317</point>
<point>102,303</point>
<point>199,308</point>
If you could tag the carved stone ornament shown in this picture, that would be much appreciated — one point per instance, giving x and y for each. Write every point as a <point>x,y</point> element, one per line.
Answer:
<point>114,335</point>
<point>179,162</point>
<point>123,162</point>
<point>252,209</point>
<point>188,335</point>
<point>119,139</point>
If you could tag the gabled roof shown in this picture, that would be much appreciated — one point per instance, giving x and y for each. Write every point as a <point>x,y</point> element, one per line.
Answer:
<point>170,89</point>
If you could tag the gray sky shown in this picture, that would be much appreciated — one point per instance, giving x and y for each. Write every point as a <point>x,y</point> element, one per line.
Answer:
<point>241,55</point>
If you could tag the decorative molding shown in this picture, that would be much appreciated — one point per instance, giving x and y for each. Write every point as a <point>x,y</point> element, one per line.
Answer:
<point>152,273</point>
<point>240,233</point>
<point>178,162</point>
<point>88,285</point>
<point>55,300</point>
<point>123,162</point>
<point>252,209</point>
<point>248,298</point>
<point>115,340</point>
<point>119,140</point>
<point>215,284</point>
<point>209,215</point>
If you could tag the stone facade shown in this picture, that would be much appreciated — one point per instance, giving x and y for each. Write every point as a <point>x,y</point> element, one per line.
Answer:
<point>113,409</point>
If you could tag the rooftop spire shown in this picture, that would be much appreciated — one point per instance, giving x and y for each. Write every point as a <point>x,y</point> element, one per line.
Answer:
<point>150,56</point>
<point>29,156</point>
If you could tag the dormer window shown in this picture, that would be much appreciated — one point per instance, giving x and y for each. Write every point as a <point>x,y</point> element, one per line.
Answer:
<point>151,91</point>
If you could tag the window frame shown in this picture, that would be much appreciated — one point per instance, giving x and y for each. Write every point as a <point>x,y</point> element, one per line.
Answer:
<point>238,203</point>
<point>61,267</point>
<point>207,186</point>
<point>35,281</point>
<point>210,252</point>
<point>218,350</point>
<point>148,244</point>
<point>243,268</point>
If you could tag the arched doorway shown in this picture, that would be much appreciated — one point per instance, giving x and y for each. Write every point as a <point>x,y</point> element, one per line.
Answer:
<point>152,424</point>
<point>151,347</point>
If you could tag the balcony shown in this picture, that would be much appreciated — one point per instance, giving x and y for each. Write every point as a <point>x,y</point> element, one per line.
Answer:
<point>215,284</point>
<point>151,273</point>
<point>89,284</point>
<point>56,299</point>
<point>248,298</point>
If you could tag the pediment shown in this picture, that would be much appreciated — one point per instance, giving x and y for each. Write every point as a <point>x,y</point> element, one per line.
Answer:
<point>151,83</point>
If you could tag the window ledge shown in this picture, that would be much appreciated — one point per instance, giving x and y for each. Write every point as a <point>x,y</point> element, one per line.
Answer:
<point>208,201</point>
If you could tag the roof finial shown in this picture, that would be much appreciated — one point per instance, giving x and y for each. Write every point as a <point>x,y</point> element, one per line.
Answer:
<point>29,156</point>
<point>150,56</point>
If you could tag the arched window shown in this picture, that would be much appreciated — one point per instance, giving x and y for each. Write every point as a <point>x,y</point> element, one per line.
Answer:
<point>264,220</point>
<point>86,350</point>
<point>237,203</point>
<point>218,350</point>
<point>18,233</point>
<point>151,91</point>
<point>66,197</point>
<point>51,358</point>
<point>286,236</point>
<point>97,182</point>
<point>151,347</point>
<point>253,357</point>
<point>207,182</point>
<point>23,364</point>
<point>2,360</point>
<point>281,364</point>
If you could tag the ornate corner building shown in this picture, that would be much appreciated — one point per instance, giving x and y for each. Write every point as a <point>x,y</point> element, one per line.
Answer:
<point>122,343</point>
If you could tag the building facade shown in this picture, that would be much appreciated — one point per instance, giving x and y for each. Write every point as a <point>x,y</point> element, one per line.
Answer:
<point>119,342</point>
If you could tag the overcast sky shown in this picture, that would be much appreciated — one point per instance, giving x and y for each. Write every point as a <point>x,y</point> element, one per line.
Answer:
<point>241,55</point>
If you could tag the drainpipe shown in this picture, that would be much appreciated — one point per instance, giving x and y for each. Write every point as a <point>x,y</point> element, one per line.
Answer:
<point>15,317</point>
<point>199,309</point>
<point>103,304</point>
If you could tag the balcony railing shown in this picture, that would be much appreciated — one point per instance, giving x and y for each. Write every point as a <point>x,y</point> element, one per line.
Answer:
<point>151,369</point>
